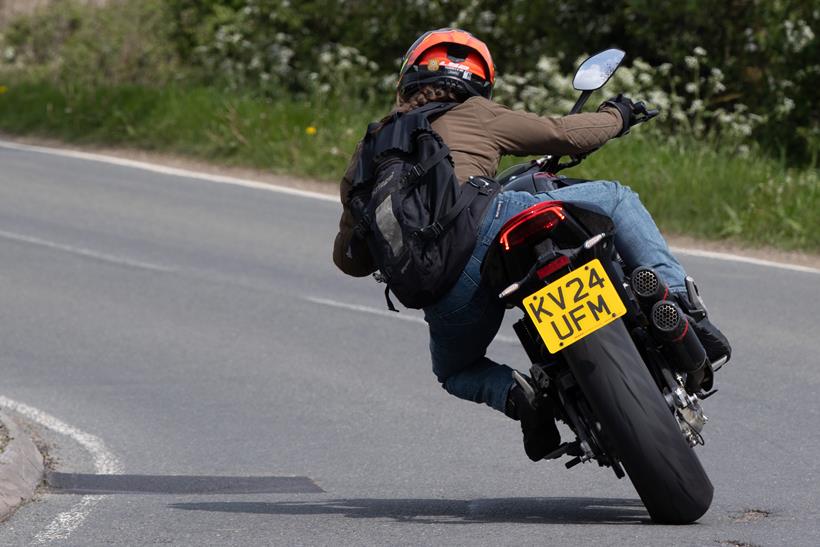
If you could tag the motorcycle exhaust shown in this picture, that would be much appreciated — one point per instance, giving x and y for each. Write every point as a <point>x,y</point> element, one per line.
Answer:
<point>647,286</point>
<point>672,326</point>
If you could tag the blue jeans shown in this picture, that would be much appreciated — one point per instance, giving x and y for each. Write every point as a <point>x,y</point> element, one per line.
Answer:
<point>465,321</point>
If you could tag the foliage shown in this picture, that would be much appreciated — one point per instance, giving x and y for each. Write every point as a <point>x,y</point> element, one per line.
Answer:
<point>124,42</point>
<point>764,50</point>
<point>685,98</point>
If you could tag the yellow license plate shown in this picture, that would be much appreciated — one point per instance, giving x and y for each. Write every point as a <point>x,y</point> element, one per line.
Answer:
<point>574,306</point>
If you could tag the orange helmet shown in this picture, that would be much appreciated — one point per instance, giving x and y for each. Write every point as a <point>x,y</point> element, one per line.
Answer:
<point>450,58</point>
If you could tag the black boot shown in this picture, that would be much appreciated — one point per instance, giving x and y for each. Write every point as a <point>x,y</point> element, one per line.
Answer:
<point>538,424</point>
<point>714,342</point>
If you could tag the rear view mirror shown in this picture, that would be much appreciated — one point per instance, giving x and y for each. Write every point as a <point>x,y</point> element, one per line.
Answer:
<point>596,71</point>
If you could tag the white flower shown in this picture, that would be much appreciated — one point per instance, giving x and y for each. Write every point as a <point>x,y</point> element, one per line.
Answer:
<point>626,78</point>
<point>643,66</point>
<point>743,129</point>
<point>659,99</point>
<point>547,64</point>
<point>699,51</point>
<point>798,35</point>
<point>724,118</point>
<point>691,62</point>
<point>691,87</point>
<point>785,106</point>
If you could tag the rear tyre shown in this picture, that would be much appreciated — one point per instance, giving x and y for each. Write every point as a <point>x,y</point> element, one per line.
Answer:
<point>638,426</point>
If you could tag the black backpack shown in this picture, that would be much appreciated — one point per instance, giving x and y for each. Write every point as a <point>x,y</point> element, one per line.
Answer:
<point>419,223</point>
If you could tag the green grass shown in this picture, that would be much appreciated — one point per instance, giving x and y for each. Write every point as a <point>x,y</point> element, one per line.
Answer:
<point>227,127</point>
<point>711,192</point>
<point>691,188</point>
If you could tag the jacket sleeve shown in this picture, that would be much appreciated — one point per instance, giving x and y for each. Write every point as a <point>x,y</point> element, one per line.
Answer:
<point>349,253</point>
<point>524,134</point>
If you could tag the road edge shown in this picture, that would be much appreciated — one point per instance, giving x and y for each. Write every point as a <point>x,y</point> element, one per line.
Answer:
<point>21,468</point>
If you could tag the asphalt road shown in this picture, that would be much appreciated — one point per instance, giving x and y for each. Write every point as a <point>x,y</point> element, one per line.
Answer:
<point>191,328</point>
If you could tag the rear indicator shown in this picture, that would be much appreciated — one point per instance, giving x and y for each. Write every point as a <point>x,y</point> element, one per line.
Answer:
<point>539,218</point>
<point>545,271</point>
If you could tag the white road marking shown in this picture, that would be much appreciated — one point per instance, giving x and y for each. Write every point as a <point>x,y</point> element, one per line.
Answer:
<point>404,316</point>
<point>164,170</point>
<point>68,521</point>
<point>156,168</point>
<point>105,463</point>
<point>121,261</point>
<point>745,259</point>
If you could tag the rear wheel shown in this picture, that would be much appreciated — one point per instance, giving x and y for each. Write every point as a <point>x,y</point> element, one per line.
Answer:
<point>638,426</point>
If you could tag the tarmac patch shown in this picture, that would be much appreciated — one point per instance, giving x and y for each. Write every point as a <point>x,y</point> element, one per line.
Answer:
<point>83,483</point>
<point>750,515</point>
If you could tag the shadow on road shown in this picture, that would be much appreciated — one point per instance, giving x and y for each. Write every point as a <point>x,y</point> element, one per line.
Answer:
<point>81,483</point>
<point>507,510</point>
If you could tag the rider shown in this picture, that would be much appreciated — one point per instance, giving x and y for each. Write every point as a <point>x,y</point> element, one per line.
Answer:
<point>452,65</point>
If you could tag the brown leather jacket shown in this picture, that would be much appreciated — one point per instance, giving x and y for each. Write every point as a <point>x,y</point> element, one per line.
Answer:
<point>478,132</point>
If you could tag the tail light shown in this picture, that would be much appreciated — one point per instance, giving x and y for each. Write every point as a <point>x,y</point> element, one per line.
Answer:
<point>539,218</point>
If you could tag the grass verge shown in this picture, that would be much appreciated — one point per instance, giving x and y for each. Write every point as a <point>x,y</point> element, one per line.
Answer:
<point>690,187</point>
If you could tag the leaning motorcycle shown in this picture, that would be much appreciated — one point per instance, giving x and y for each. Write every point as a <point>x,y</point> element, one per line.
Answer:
<point>610,351</point>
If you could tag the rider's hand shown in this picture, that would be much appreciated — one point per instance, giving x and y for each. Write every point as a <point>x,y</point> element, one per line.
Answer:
<point>626,107</point>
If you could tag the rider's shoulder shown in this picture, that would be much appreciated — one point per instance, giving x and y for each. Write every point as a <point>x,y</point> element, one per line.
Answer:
<point>481,105</point>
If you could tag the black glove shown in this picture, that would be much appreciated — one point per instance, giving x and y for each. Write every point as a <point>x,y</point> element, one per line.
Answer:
<point>627,109</point>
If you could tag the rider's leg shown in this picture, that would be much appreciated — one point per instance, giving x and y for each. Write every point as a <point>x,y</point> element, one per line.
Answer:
<point>637,238</point>
<point>465,321</point>
<point>462,325</point>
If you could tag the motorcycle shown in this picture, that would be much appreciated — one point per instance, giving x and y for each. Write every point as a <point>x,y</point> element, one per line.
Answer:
<point>610,352</point>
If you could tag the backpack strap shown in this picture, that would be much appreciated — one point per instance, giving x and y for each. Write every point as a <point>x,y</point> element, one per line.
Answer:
<point>469,191</point>
<point>421,168</point>
<point>432,108</point>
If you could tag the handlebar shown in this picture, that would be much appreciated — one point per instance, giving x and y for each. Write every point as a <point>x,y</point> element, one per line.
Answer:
<point>644,115</point>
